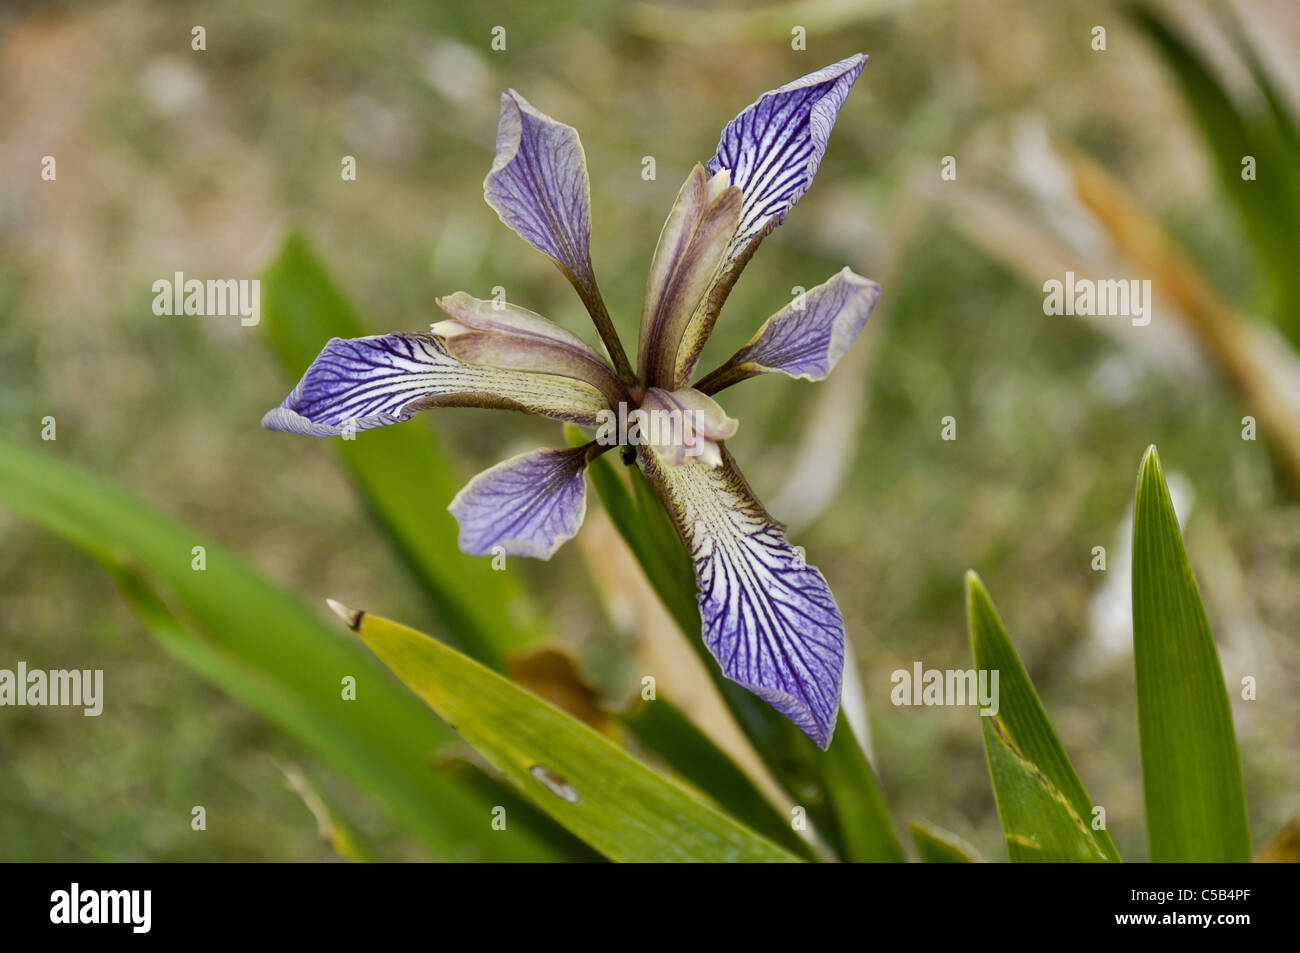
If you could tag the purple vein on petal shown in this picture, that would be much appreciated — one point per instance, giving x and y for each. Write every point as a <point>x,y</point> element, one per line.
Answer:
<point>538,185</point>
<point>775,147</point>
<point>806,338</point>
<point>356,384</point>
<point>528,505</point>
<point>766,615</point>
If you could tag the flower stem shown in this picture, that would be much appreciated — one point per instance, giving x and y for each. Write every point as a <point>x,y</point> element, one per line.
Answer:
<point>605,328</point>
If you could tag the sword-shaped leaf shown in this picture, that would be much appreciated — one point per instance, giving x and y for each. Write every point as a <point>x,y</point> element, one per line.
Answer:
<point>1046,812</point>
<point>592,787</point>
<point>1191,774</point>
<point>663,728</point>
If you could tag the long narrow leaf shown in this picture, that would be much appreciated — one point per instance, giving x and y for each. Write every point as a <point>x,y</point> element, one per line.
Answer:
<point>863,827</point>
<point>1039,823</point>
<point>1266,203</point>
<point>662,727</point>
<point>1191,773</point>
<point>584,781</point>
<point>267,650</point>
<point>1046,812</point>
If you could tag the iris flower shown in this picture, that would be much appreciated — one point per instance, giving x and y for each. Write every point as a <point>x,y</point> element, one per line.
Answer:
<point>767,616</point>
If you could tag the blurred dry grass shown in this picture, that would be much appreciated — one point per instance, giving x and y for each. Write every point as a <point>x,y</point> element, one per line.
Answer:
<point>171,160</point>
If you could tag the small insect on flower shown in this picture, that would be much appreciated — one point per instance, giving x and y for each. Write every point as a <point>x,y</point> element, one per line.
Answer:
<point>767,616</point>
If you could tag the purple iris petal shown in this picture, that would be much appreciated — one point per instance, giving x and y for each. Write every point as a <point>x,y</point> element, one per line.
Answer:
<point>538,185</point>
<point>693,244</point>
<point>774,147</point>
<point>768,617</point>
<point>807,337</point>
<point>528,505</point>
<point>772,150</point>
<point>359,383</point>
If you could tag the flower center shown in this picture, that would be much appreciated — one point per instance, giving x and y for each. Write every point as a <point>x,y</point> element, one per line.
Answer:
<point>679,426</point>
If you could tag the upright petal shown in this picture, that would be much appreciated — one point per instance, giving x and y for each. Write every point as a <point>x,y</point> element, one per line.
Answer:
<point>359,383</point>
<point>502,335</point>
<point>538,185</point>
<point>773,150</point>
<point>528,505</point>
<point>807,337</point>
<point>767,616</point>
<point>775,147</point>
<point>691,250</point>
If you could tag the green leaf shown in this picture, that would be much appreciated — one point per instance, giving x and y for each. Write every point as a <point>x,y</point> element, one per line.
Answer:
<point>863,829</point>
<point>268,651</point>
<point>667,567</point>
<point>1191,774</point>
<point>1044,808</point>
<point>404,476</point>
<point>837,788</point>
<point>481,779</point>
<point>1039,823</point>
<point>588,784</point>
<point>1278,109</point>
<point>662,727</point>
<point>937,846</point>
<point>1267,205</point>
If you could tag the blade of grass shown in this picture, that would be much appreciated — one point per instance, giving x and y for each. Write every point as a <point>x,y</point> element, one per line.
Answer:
<point>863,827</point>
<point>267,650</point>
<point>1040,798</point>
<point>584,781</point>
<point>1191,773</point>
<point>481,779</point>
<point>403,474</point>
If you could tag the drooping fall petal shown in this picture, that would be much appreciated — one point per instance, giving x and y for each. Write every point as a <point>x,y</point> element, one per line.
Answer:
<point>356,384</point>
<point>528,505</point>
<point>767,616</point>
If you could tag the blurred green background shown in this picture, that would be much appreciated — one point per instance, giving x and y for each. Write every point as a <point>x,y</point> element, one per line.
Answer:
<point>201,162</point>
